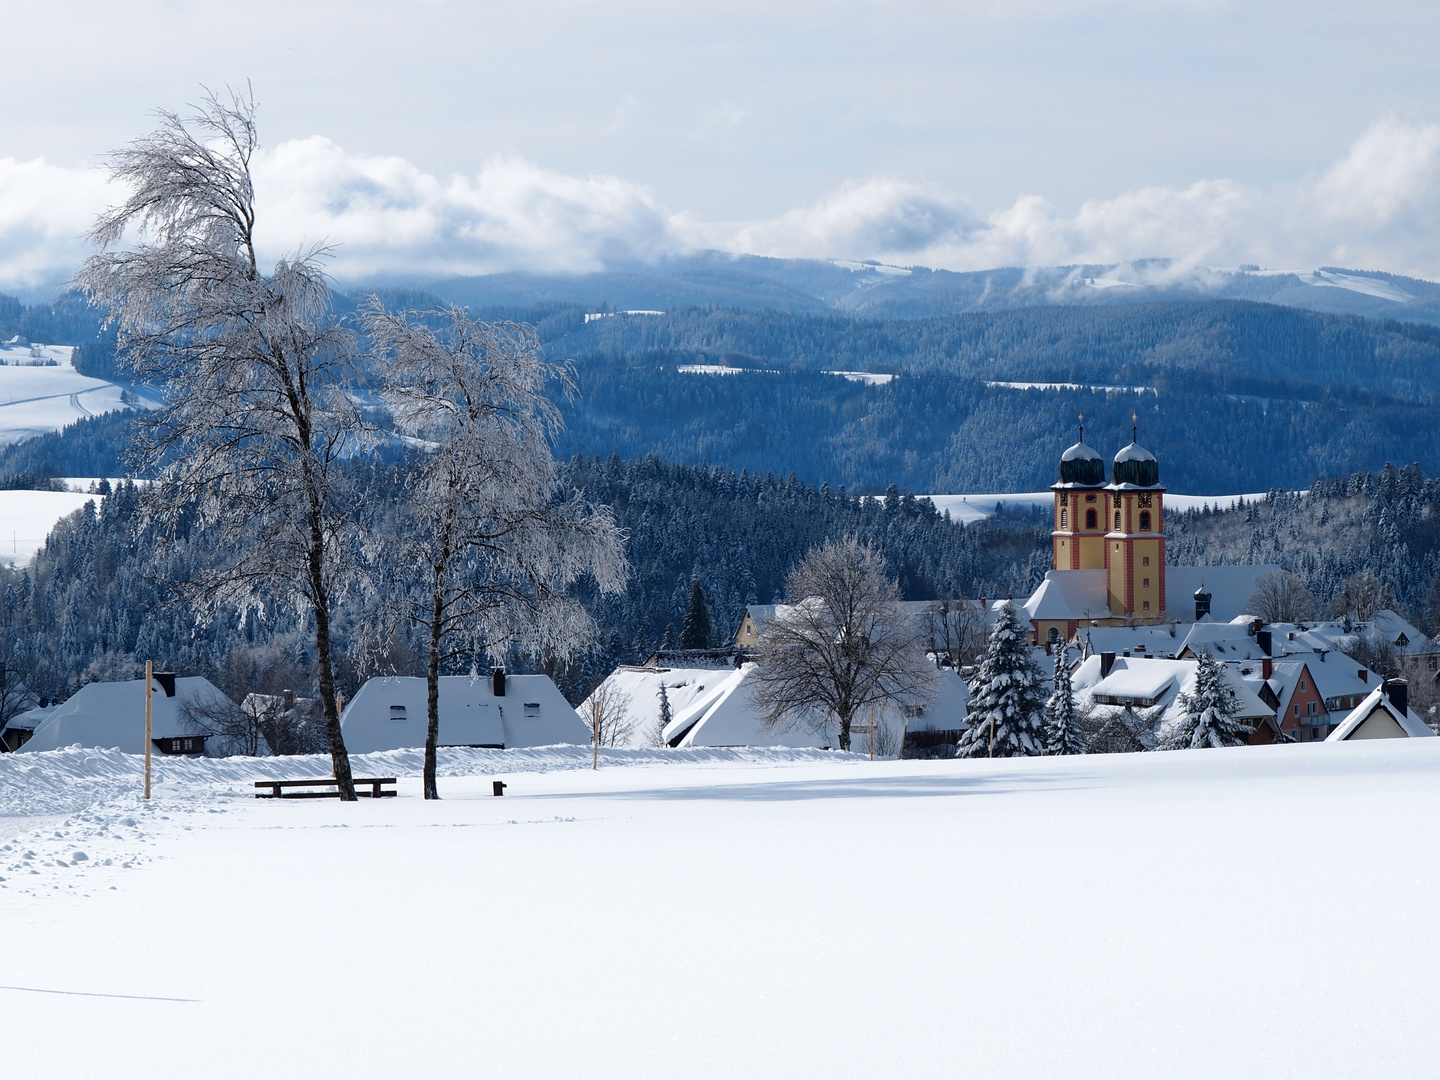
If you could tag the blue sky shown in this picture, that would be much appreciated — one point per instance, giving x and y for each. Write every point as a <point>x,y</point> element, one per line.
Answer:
<point>439,137</point>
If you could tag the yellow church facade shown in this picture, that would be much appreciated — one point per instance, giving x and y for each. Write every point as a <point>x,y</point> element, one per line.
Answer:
<point>1114,528</point>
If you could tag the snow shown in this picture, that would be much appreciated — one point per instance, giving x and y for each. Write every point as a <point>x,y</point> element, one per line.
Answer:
<point>112,715</point>
<point>724,914</point>
<point>974,507</point>
<point>640,687</point>
<point>869,378</point>
<point>27,518</point>
<point>594,315</point>
<point>1376,287</point>
<point>40,391</point>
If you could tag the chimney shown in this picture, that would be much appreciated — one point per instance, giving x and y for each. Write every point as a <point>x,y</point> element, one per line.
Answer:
<point>1107,661</point>
<point>1363,675</point>
<point>166,679</point>
<point>1263,639</point>
<point>1267,668</point>
<point>1202,603</point>
<point>1398,691</point>
<point>287,700</point>
<point>498,676</point>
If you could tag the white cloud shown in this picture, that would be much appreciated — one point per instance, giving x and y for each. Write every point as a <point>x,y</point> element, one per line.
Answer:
<point>1375,208</point>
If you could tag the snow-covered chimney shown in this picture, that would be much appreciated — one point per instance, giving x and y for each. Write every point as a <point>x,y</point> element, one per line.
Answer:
<point>1107,661</point>
<point>498,677</point>
<point>1398,691</point>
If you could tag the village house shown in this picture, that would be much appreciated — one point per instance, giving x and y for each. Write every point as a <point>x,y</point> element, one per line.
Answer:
<point>1384,714</point>
<point>111,715</point>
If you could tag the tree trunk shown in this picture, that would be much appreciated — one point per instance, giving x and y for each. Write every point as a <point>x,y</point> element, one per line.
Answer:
<point>432,690</point>
<point>339,757</point>
<point>845,733</point>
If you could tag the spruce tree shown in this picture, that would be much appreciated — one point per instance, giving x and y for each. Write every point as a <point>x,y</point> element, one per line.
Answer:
<point>695,631</point>
<point>1207,717</point>
<point>1007,699</point>
<point>1062,733</point>
<point>662,719</point>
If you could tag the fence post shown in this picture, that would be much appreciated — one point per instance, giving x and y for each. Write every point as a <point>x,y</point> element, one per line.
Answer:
<point>149,680</point>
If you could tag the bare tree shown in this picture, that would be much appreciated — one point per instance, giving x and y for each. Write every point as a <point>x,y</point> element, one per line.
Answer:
<point>958,630</point>
<point>1360,596</point>
<point>258,419</point>
<point>486,547</point>
<point>1281,596</point>
<point>606,713</point>
<point>843,645</point>
<point>1374,651</point>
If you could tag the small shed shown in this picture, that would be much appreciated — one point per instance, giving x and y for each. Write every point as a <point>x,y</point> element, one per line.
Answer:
<point>111,715</point>
<point>499,711</point>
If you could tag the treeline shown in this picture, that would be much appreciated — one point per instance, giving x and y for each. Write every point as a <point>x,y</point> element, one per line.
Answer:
<point>100,599</point>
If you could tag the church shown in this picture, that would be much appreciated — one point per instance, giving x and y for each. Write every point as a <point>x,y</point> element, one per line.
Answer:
<point>1108,553</point>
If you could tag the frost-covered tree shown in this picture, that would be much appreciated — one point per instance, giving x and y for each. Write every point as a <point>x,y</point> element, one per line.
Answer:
<point>1007,697</point>
<point>1207,716</point>
<point>1281,596</point>
<point>259,419</point>
<point>485,546</point>
<point>695,631</point>
<point>1062,728</point>
<point>842,647</point>
<point>663,716</point>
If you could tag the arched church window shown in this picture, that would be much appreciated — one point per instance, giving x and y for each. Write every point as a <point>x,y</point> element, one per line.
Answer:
<point>1144,520</point>
<point>1117,520</point>
<point>1053,634</point>
<point>1064,519</point>
<point>1090,519</point>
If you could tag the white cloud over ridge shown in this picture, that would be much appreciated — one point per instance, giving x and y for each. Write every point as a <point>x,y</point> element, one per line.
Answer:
<point>1378,207</point>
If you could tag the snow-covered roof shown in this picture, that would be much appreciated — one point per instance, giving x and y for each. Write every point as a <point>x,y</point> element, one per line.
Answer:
<point>30,719</point>
<point>1224,641</point>
<point>1162,641</point>
<point>1336,634</point>
<point>1145,683</point>
<point>1230,588</point>
<point>111,715</point>
<point>391,714</point>
<point>1070,595</point>
<point>725,715</point>
<point>1377,718</point>
<point>640,687</point>
<point>945,711</point>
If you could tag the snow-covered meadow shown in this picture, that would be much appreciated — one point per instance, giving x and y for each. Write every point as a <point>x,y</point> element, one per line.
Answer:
<point>40,391</point>
<point>975,507</point>
<point>1262,911</point>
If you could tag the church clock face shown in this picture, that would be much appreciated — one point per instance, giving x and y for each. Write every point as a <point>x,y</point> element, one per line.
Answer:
<point>1147,500</point>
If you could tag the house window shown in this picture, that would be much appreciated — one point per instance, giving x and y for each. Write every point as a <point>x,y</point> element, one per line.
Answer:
<point>1147,605</point>
<point>1313,708</point>
<point>1145,561</point>
<point>397,712</point>
<point>1302,686</point>
<point>1144,520</point>
<point>1147,582</point>
<point>1090,518</point>
<point>1297,709</point>
<point>1053,634</point>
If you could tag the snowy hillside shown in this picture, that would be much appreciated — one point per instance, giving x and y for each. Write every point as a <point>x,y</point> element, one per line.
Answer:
<point>967,508</point>
<point>730,914</point>
<point>27,517</point>
<point>40,391</point>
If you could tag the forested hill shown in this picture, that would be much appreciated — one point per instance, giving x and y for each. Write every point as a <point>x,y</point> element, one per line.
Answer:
<point>95,604</point>
<point>1385,524</point>
<point>1231,395</point>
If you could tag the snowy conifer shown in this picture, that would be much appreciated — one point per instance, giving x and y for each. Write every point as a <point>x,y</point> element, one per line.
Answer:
<point>695,632</point>
<point>663,717</point>
<point>1007,703</point>
<point>1208,715</point>
<point>1062,733</point>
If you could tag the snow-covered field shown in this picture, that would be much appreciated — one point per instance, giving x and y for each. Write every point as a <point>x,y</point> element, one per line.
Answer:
<point>1258,912</point>
<point>40,391</point>
<point>27,518</point>
<point>968,508</point>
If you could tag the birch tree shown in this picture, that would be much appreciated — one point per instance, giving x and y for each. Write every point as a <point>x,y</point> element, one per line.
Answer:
<point>258,421</point>
<point>841,647</point>
<point>485,546</point>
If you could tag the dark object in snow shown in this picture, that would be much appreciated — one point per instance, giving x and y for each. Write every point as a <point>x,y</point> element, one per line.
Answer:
<point>499,787</point>
<point>498,675</point>
<point>377,791</point>
<point>166,679</point>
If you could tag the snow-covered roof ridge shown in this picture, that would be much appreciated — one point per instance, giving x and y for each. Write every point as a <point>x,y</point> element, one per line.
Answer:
<point>1378,701</point>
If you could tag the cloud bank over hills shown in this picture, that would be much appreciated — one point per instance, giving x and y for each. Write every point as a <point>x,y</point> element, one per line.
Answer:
<point>1376,207</point>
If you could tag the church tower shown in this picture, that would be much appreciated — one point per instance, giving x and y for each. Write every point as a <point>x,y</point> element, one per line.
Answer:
<point>1078,532</point>
<point>1135,542</point>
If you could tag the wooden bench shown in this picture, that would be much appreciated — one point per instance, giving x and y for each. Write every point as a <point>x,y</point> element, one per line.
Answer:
<point>277,788</point>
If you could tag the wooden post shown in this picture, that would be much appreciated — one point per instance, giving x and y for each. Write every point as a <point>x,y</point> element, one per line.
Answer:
<point>595,734</point>
<point>872,733</point>
<point>149,681</point>
<point>339,703</point>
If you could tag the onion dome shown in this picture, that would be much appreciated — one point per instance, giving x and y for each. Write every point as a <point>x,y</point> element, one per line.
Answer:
<point>1136,466</point>
<point>1082,466</point>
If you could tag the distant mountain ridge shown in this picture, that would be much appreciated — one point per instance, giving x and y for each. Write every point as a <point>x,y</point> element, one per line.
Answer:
<point>877,290</point>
